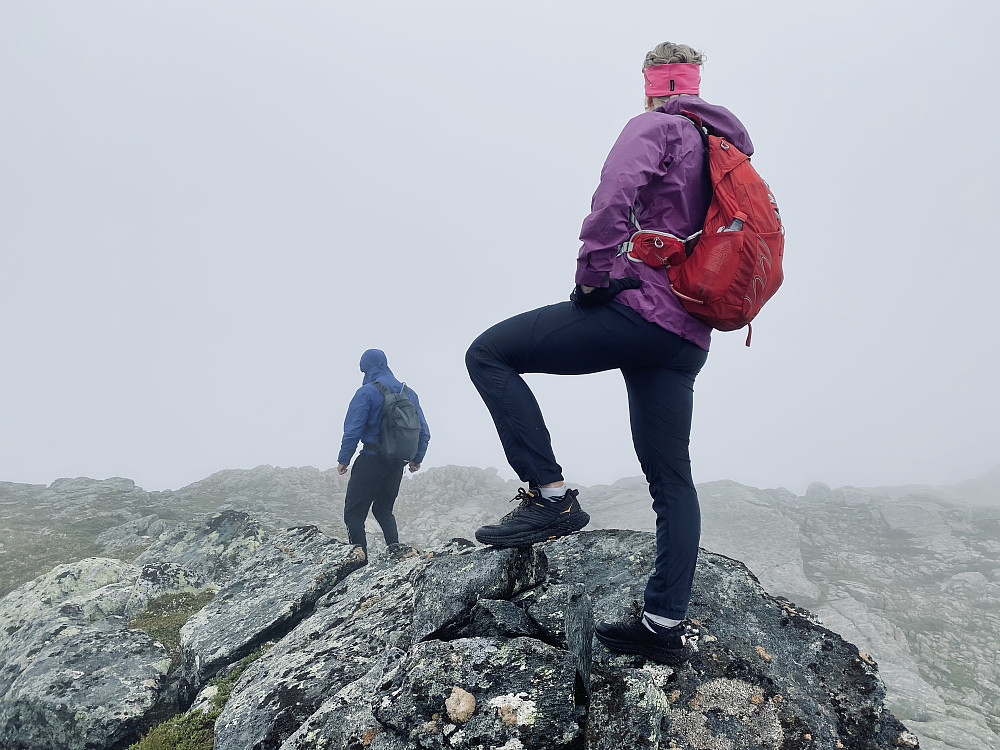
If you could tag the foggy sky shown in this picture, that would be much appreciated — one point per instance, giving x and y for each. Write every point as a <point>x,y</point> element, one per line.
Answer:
<point>210,209</point>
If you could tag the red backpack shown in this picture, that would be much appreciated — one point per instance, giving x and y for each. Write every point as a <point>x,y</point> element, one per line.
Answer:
<point>734,266</point>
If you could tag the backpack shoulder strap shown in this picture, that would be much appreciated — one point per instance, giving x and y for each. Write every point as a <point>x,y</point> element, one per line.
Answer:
<point>702,130</point>
<point>695,120</point>
<point>385,391</point>
<point>698,122</point>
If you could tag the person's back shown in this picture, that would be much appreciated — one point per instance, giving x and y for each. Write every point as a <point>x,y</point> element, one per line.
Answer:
<point>655,178</point>
<point>375,478</point>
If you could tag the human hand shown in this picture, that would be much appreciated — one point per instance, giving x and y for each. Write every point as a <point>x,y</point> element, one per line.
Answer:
<point>341,469</point>
<point>414,466</point>
<point>589,296</point>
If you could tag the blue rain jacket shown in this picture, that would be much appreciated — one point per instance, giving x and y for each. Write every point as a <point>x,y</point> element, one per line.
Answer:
<point>364,414</point>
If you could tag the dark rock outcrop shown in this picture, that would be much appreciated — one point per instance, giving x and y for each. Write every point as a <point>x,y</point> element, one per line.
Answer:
<point>458,646</point>
<point>765,673</point>
<point>392,603</point>
<point>268,594</point>
<point>519,691</point>
<point>394,657</point>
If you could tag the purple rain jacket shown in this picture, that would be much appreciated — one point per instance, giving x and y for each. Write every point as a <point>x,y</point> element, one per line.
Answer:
<point>364,414</point>
<point>657,167</point>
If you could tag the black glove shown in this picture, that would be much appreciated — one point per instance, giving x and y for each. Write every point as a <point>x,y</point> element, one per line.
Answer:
<point>601,294</point>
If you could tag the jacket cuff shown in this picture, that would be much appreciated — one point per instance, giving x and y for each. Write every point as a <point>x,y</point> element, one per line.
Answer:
<point>591,278</point>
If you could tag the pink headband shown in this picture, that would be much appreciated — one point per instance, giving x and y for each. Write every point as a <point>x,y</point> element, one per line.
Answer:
<point>672,78</point>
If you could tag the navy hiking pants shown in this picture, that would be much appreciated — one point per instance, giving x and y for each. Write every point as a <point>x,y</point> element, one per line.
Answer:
<point>659,368</point>
<point>373,485</point>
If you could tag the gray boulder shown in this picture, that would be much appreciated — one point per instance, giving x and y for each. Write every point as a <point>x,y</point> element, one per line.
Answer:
<point>266,596</point>
<point>467,647</point>
<point>214,549</point>
<point>95,690</point>
<point>73,675</point>
<point>379,607</point>
<point>33,615</point>
<point>347,719</point>
<point>765,674</point>
<point>60,605</point>
<point>448,587</point>
<point>138,533</point>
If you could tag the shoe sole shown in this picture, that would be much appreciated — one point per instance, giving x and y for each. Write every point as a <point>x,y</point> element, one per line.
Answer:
<point>562,527</point>
<point>666,656</point>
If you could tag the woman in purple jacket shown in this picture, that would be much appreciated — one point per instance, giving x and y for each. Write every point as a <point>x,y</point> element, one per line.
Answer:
<point>621,315</point>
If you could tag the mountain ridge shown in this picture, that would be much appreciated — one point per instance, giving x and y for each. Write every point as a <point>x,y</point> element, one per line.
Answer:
<point>911,574</point>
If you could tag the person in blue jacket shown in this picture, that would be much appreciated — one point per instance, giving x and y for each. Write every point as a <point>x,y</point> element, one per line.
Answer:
<point>375,479</point>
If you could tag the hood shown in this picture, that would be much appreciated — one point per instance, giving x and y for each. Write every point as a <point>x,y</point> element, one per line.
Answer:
<point>375,366</point>
<point>718,120</point>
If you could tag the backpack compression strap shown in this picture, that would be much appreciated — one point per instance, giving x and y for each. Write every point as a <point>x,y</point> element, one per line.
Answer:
<point>386,391</point>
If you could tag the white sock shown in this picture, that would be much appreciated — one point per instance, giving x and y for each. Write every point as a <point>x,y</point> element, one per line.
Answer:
<point>552,493</point>
<point>663,622</point>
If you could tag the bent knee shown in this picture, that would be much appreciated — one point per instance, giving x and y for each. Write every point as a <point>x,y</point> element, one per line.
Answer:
<point>476,356</point>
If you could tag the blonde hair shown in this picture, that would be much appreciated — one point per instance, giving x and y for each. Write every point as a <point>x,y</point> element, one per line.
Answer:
<point>669,52</point>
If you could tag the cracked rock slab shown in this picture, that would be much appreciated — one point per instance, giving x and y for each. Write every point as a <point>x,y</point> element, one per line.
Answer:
<point>346,719</point>
<point>383,605</point>
<point>271,590</point>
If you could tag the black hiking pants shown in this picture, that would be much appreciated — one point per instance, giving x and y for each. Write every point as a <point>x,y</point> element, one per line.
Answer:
<point>659,368</point>
<point>373,486</point>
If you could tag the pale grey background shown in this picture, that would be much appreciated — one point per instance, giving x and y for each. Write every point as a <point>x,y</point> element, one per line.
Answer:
<point>210,209</point>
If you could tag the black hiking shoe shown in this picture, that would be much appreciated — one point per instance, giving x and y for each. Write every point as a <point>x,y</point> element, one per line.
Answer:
<point>663,645</point>
<point>535,520</point>
<point>399,551</point>
<point>526,498</point>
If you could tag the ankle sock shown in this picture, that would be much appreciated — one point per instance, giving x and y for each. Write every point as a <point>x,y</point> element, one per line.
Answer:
<point>553,493</point>
<point>663,622</point>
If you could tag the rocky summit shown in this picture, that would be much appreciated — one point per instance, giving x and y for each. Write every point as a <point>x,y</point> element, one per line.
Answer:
<point>236,599</point>
<point>455,646</point>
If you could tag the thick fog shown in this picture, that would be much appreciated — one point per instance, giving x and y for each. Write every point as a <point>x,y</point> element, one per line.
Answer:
<point>210,209</point>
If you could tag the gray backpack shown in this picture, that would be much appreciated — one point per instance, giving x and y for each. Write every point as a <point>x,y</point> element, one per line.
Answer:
<point>400,425</point>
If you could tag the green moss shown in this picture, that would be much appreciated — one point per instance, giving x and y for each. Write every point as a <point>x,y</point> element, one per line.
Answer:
<point>225,684</point>
<point>195,730</point>
<point>191,731</point>
<point>163,617</point>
